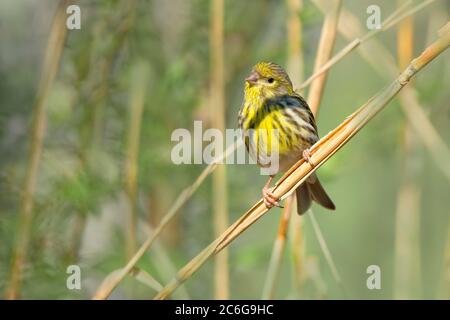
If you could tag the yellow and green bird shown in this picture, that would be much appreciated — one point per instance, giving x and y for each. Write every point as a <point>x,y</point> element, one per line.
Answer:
<point>275,119</point>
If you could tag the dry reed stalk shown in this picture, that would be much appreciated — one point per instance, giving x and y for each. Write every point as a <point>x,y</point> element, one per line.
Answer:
<point>295,64</point>
<point>407,253</point>
<point>320,153</point>
<point>219,179</point>
<point>326,45</point>
<point>277,252</point>
<point>298,253</point>
<point>189,191</point>
<point>350,28</point>
<point>137,97</point>
<point>50,67</point>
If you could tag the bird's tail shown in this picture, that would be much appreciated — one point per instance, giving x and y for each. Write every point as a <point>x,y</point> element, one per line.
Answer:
<point>310,190</point>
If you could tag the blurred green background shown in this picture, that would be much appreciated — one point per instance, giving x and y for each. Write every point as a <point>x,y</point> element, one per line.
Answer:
<point>81,202</point>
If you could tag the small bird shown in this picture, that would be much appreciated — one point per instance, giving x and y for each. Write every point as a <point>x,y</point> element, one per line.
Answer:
<point>272,106</point>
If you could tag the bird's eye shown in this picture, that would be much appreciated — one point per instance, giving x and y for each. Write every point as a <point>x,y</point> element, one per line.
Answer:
<point>270,80</point>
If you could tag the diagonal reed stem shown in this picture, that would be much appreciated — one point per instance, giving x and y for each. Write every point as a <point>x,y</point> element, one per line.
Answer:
<point>320,153</point>
<point>326,252</point>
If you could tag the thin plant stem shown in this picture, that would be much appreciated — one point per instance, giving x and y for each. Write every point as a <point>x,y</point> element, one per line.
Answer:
<point>326,251</point>
<point>50,68</point>
<point>407,255</point>
<point>219,179</point>
<point>324,51</point>
<point>277,252</point>
<point>137,96</point>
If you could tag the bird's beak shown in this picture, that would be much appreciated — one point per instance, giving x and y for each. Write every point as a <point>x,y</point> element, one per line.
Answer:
<point>252,78</point>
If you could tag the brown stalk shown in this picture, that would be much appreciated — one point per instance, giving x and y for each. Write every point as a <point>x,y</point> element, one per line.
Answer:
<point>326,44</point>
<point>320,153</point>
<point>295,64</point>
<point>50,67</point>
<point>277,251</point>
<point>137,96</point>
<point>219,179</point>
<point>407,254</point>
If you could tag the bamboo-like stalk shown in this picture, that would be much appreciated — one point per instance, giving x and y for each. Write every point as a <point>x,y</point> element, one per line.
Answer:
<point>104,291</point>
<point>137,97</point>
<point>407,255</point>
<point>50,67</point>
<point>219,180</point>
<point>320,153</point>
<point>409,104</point>
<point>277,252</point>
<point>295,65</point>
<point>326,45</point>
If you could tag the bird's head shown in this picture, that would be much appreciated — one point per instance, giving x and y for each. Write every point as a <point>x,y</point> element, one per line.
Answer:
<point>267,80</point>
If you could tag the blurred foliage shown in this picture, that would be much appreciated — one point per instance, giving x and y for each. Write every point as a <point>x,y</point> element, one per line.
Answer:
<point>81,174</point>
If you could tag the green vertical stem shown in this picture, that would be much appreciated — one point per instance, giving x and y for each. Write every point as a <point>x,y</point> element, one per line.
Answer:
<point>50,68</point>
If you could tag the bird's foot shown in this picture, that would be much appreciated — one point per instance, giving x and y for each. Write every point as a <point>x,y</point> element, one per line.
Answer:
<point>270,200</point>
<point>307,156</point>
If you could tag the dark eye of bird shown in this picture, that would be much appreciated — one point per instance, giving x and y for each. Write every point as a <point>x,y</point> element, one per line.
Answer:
<point>270,80</point>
